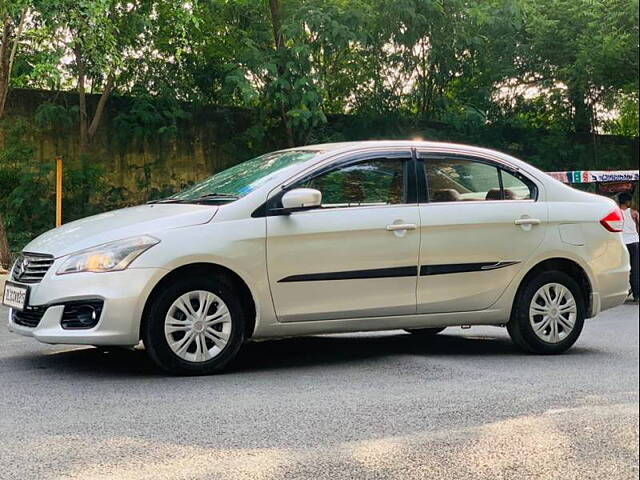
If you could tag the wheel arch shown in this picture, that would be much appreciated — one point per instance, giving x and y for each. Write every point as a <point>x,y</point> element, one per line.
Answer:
<point>199,268</point>
<point>562,264</point>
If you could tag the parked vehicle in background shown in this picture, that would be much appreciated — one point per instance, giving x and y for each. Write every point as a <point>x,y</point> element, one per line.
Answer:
<point>325,239</point>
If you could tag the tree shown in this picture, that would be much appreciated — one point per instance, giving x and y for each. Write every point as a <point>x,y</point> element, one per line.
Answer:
<point>281,51</point>
<point>101,36</point>
<point>256,57</point>
<point>13,16</point>
<point>572,62</point>
<point>586,49</point>
<point>5,252</point>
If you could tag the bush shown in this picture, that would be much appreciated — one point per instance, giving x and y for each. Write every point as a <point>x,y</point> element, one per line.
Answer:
<point>27,203</point>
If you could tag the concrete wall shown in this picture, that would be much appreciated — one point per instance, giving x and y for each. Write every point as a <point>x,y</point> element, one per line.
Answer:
<point>203,144</point>
<point>141,160</point>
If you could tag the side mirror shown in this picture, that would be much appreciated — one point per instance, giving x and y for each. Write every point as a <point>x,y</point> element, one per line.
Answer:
<point>300,199</point>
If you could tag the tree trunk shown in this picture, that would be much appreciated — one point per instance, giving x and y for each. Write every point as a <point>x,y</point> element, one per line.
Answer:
<point>5,50</point>
<point>97,116</point>
<point>276,24</point>
<point>82,99</point>
<point>423,80</point>
<point>287,126</point>
<point>5,253</point>
<point>8,49</point>
<point>581,111</point>
<point>278,39</point>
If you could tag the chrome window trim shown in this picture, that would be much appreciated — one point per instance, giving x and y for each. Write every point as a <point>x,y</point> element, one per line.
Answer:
<point>338,157</point>
<point>472,202</point>
<point>338,160</point>
<point>487,159</point>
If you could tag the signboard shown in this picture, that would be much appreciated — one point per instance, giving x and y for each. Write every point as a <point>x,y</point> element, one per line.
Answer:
<point>599,176</point>
<point>616,187</point>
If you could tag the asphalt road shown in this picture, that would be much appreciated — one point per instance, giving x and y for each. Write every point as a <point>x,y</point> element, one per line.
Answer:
<point>465,405</point>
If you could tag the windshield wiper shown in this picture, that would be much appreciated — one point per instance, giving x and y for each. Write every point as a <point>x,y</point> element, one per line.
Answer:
<point>214,197</point>
<point>217,195</point>
<point>203,198</point>
<point>165,200</point>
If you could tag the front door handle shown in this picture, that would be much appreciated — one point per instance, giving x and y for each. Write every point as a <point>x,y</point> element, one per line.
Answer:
<point>527,221</point>
<point>401,226</point>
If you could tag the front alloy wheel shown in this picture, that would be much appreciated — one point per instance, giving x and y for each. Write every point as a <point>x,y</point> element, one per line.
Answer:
<point>195,326</point>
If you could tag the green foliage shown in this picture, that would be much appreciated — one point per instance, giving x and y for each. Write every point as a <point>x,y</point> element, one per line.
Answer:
<point>29,209</point>
<point>559,64</point>
<point>24,201</point>
<point>17,150</point>
<point>584,50</point>
<point>149,118</point>
<point>625,123</point>
<point>54,118</point>
<point>27,203</point>
<point>517,75</point>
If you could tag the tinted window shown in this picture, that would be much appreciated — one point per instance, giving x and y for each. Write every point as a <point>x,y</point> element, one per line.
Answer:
<point>459,179</point>
<point>453,179</point>
<point>516,188</point>
<point>370,182</point>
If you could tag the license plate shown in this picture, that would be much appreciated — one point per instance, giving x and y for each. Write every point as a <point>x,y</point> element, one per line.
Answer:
<point>15,296</point>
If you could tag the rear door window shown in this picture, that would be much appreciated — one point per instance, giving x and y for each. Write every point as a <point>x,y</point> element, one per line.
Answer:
<point>517,188</point>
<point>463,179</point>
<point>460,179</point>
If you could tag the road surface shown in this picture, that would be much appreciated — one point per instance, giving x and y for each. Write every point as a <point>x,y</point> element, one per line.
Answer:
<point>464,405</point>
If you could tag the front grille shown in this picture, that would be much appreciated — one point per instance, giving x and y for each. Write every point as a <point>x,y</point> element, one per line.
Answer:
<point>29,317</point>
<point>31,267</point>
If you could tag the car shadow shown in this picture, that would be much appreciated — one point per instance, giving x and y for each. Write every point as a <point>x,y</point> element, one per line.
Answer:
<point>336,349</point>
<point>94,362</point>
<point>287,353</point>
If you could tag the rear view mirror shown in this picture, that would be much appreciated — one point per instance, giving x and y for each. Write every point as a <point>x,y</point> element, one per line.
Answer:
<point>300,199</point>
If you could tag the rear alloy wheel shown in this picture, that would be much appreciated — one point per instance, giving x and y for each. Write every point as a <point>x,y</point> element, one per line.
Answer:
<point>548,314</point>
<point>425,331</point>
<point>195,327</point>
<point>553,312</point>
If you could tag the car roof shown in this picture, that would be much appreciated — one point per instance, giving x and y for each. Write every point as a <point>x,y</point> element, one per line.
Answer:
<point>345,147</point>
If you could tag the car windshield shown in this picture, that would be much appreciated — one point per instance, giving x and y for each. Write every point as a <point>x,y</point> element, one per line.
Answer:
<point>241,179</point>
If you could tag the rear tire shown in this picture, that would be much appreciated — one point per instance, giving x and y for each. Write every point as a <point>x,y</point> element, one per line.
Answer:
<point>425,331</point>
<point>548,314</point>
<point>196,326</point>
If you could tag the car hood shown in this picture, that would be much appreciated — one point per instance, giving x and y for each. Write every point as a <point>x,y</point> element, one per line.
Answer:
<point>119,224</point>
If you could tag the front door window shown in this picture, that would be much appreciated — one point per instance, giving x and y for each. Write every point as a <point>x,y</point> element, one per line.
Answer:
<point>367,183</point>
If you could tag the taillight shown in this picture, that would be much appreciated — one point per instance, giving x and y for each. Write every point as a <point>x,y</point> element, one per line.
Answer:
<point>614,221</point>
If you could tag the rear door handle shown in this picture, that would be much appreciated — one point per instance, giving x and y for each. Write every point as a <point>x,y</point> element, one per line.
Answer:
<point>401,226</point>
<point>527,221</point>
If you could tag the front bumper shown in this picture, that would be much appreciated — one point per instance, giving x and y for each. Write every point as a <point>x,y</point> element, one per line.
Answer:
<point>124,294</point>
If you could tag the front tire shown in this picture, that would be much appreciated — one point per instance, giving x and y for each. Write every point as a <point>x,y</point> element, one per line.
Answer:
<point>548,314</point>
<point>194,327</point>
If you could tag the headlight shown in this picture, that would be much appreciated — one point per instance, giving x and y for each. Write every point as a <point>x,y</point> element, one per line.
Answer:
<point>109,257</point>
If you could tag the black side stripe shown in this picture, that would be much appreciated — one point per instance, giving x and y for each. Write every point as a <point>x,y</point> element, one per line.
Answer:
<point>397,272</point>
<point>462,267</point>
<point>354,274</point>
